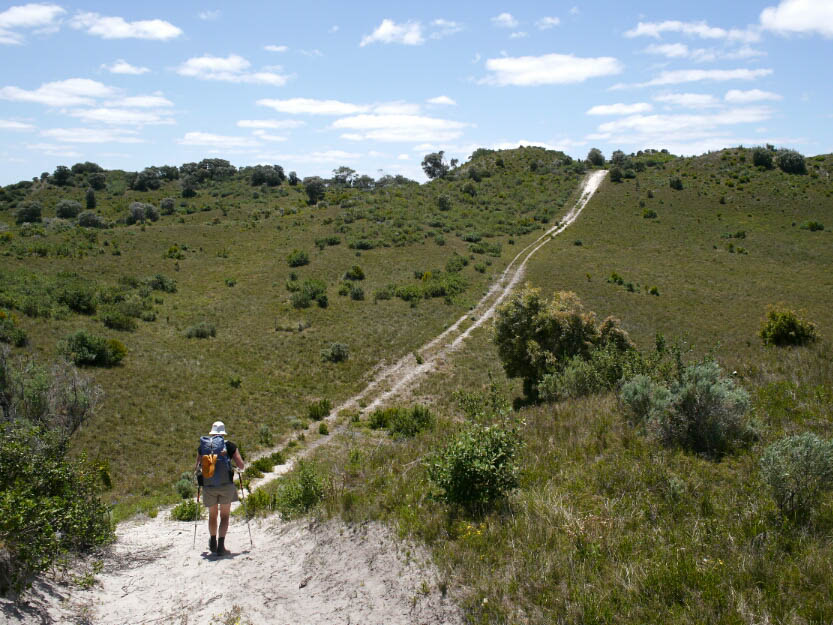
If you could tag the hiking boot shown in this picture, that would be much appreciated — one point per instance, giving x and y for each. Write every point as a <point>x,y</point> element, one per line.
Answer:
<point>221,547</point>
<point>212,544</point>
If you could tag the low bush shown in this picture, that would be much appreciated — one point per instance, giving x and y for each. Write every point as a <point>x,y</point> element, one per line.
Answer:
<point>784,327</point>
<point>319,409</point>
<point>67,209</point>
<point>798,469</point>
<point>188,510</point>
<point>202,330</point>
<point>761,157</point>
<point>166,206</point>
<point>410,421</point>
<point>139,212</point>
<point>264,465</point>
<point>676,183</point>
<point>300,491</point>
<point>357,293</point>
<point>298,258</point>
<point>456,263</point>
<point>84,348</point>
<point>114,318</point>
<point>478,467</point>
<point>812,226</point>
<point>791,162</point>
<point>10,332</point>
<point>90,219</point>
<point>354,273</point>
<point>336,352</point>
<point>323,429</point>
<point>77,295</point>
<point>185,486</point>
<point>160,282</point>
<point>29,212</point>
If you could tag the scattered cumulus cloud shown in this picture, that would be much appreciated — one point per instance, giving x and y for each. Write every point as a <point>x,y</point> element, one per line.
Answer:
<point>693,29</point>
<point>444,28</point>
<point>505,20</point>
<point>399,128</point>
<point>123,67</point>
<point>156,100</point>
<point>210,15</point>
<point>669,50</point>
<point>272,48</point>
<point>119,28</point>
<point>549,69</point>
<point>53,149</point>
<point>70,92</point>
<point>333,29</point>
<point>273,124</point>
<point>620,109</point>
<point>7,124</point>
<point>442,100</point>
<point>545,23</point>
<point>688,100</point>
<point>398,107</point>
<point>561,145</point>
<point>799,16</point>
<point>408,33</point>
<point>307,106</point>
<point>332,157</point>
<point>93,135</point>
<point>680,76</point>
<point>233,68</point>
<point>265,136</point>
<point>519,34</point>
<point>121,116</point>
<point>403,157</point>
<point>207,139</point>
<point>736,96</point>
<point>42,17</point>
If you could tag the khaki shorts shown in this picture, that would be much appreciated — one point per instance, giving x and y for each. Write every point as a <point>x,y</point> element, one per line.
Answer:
<point>213,495</point>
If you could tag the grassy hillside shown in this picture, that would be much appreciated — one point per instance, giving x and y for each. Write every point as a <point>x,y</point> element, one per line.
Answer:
<point>227,250</point>
<point>608,525</point>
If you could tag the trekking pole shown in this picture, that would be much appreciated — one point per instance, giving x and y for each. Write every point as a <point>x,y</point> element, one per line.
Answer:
<point>196,514</point>
<point>245,511</point>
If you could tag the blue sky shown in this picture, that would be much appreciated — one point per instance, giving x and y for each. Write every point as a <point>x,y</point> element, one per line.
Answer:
<point>375,86</point>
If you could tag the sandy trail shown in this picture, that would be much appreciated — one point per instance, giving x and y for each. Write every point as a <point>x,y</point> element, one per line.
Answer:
<point>296,572</point>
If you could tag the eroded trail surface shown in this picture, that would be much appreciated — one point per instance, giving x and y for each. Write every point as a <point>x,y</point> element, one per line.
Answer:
<point>289,572</point>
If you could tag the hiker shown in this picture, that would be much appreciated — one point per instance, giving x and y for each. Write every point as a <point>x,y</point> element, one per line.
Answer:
<point>216,476</point>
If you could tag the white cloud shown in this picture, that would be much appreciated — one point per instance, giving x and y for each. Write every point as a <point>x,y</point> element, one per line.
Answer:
<point>395,128</point>
<point>403,157</point>
<point>736,96</point>
<point>53,149</point>
<point>307,106</point>
<point>688,100</point>
<point>334,29</point>
<point>396,108</point>
<point>337,157</point>
<point>694,29</point>
<point>550,69</point>
<point>142,101</point>
<point>40,16</point>
<point>619,109</point>
<point>445,28</point>
<point>799,16</point>
<point>118,28</point>
<point>442,100</point>
<point>210,15</point>
<point>505,20</point>
<point>123,67</point>
<point>409,34</point>
<point>518,35</point>
<point>670,50</point>
<point>272,48</point>
<point>695,75</point>
<point>545,23</point>
<point>7,124</point>
<point>207,139</point>
<point>265,136</point>
<point>562,145</point>
<point>232,68</point>
<point>70,92</point>
<point>92,135</point>
<point>272,124</point>
<point>120,116</point>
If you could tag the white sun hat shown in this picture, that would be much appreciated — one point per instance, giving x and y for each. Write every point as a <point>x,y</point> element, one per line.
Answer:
<point>218,427</point>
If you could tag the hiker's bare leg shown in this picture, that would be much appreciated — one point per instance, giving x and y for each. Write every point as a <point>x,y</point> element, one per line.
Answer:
<point>225,509</point>
<point>212,520</point>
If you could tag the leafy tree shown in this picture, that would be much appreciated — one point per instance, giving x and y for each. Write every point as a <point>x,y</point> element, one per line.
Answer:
<point>61,176</point>
<point>315,188</point>
<point>67,209</point>
<point>86,168</point>
<point>97,181</point>
<point>189,186</point>
<point>434,165</point>
<point>595,157</point>
<point>271,175</point>
<point>89,198</point>
<point>364,182</point>
<point>344,176</point>
<point>791,162</point>
<point>169,172</point>
<point>616,174</point>
<point>293,179</point>
<point>618,158</point>
<point>149,178</point>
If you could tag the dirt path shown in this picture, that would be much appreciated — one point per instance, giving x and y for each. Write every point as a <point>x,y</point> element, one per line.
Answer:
<point>296,572</point>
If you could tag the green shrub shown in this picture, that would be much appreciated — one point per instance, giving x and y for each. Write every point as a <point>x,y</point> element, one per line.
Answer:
<point>812,226</point>
<point>90,219</point>
<point>10,332</point>
<point>616,174</point>
<point>676,183</point>
<point>478,467</point>
<point>160,282</point>
<point>277,457</point>
<point>410,421</point>
<point>84,348</point>
<point>761,157</point>
<point>298,258</point>
<point>444,203</point>
<point>323,429</point>
<point>77,295</point>
<point>265,436</point>
<point>29,212</point>
<point>185,486</point>
<point>202,330</point>
<point>644,399</point>
<point>798,469</point>
<point>67,209</point>
<point>300,300</point>
<point>113,317</point>
<point>357,293</point>
<point>319,409</point>
<point>783,327</point>
<point>188,510</point>
<point>380,418</point>
<point>300,491</point>
<point>456,263</point>
<point>265,464</point>
<point>252,473</point>
<point>166,206</point>
<point>336,352</point>
<point>354,273</point>
<point>649,213</point>
<point>791,162</point>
